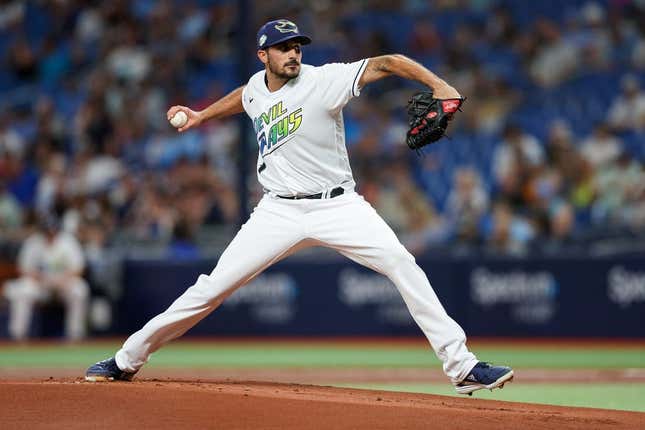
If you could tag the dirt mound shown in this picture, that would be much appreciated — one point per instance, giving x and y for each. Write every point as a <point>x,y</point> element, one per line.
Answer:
<point>229,405</point>
<point>335,375</point>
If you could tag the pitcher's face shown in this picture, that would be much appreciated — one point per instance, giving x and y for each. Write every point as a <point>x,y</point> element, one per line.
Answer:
<point>283,59</point>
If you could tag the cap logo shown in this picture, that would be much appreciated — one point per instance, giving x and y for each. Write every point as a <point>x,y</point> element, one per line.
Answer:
<point>285,26</point>
<point>263,39</point>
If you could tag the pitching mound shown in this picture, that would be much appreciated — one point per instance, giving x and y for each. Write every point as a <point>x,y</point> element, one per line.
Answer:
<point>72,404</point>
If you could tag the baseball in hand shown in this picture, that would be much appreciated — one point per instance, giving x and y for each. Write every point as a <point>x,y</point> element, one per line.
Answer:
<point>179,119</point>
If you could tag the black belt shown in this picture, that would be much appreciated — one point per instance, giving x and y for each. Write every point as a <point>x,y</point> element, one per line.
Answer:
<point>334,193</point>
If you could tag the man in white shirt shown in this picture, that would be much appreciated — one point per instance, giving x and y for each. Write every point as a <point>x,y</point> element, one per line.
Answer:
<point>309,200</point>
<point>601,149</point>
<point>51,263</point>
<point>516,155</point>
<point>627,111</point>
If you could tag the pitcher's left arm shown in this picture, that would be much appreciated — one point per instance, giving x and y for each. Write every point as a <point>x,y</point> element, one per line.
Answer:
<point>404,67</point>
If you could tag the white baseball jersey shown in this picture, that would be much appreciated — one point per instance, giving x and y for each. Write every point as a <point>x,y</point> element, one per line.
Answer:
<point>300,129</point>
<point>62,255</point>
<point>51,260</point>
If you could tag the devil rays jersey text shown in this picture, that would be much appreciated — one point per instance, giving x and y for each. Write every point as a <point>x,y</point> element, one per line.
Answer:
<point>300,130</point>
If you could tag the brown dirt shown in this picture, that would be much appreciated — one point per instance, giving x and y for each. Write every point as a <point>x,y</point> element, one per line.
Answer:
<point>345,375</point>
<point>74,404</point>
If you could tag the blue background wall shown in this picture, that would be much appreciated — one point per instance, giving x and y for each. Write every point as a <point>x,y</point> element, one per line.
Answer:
<point>571,296</point>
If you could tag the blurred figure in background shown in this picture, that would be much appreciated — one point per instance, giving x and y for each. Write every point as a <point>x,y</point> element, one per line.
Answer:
<point>514,160</point>
<point>555,59</point>
<point>50,263</point>
<point>507,232</point>
<point>467,203</point>
<point>11,216</point>
<point>561,222</point>
<point>182,245</point>
<point>627,111</point>
<point>601,148</point>
<point>619,186</point>
<point>408,211</point>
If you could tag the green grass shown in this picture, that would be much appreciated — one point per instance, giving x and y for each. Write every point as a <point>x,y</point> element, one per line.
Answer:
<point>593,395</point>
<point>277,354</point>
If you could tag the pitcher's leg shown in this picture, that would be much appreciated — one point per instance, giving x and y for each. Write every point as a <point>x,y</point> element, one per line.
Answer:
<point>265,238</point>
<point>358,232</point>
<point>446,336</point>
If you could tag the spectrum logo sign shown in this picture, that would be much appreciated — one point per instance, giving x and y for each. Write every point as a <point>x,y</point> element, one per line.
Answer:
<point>531,297</point>
<point>269,299</point>
<point>625,287</point>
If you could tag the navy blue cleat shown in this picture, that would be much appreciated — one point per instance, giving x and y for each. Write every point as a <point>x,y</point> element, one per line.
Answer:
<point>107,370</point>
<point>483,375</point>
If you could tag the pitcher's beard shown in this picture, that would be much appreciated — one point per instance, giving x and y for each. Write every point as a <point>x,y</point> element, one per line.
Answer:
<point>285,73</point>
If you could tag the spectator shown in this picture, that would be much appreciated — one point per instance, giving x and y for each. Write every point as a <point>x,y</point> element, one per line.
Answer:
<point>561,221</point>
<point>542,188</point>
<point>93,124</point>
<point>561,226</point>
<point>574,171</point>
<point>593,40</point>
<point>50,264</point>
<point>90,25</point>
<point>627,112</point>
<point>182,245</point>
<point>23,61</point>
<point>601,148</point>
<point>634,211</point>
<point>10,141</point>
<point>11,216</point>
<point>561,151</point>
<point>467,203</point>
<point>103,170</point>
<point>425,227</point>
<point>424,39</point>
<point>52,183</point>
<point>556,59</point>
<point>12,13</point>
<point>152,215</point>
<point>514,160</point>
<point>129,61</point>
<point>618,186</point>
<point>507,232</point>
<point>501,30</point>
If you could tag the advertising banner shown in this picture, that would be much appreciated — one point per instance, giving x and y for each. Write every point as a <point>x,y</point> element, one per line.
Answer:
<point>582,297</point>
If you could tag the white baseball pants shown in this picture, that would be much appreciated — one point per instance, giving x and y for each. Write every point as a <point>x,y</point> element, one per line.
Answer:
<point>24,293</point>
<point>279,227</point>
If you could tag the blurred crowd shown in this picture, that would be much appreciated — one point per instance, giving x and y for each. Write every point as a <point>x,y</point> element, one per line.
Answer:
<point>86,84</point>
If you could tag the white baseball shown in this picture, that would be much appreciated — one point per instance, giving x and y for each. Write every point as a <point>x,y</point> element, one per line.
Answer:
<point>179,119</point>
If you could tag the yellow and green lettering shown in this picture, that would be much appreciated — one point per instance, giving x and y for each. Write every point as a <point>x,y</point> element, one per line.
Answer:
<point>284,125</point>
<point>295,119</point>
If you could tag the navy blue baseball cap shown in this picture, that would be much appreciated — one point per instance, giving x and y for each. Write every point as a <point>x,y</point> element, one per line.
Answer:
<point>278,31</point>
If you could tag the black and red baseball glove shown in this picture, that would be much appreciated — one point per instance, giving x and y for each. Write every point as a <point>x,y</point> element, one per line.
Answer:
<point>428,118</point>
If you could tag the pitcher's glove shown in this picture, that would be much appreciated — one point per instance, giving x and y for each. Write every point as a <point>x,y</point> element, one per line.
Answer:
<point>428,118</point>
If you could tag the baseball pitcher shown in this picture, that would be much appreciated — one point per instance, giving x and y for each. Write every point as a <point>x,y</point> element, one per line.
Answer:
<point>309,200</point>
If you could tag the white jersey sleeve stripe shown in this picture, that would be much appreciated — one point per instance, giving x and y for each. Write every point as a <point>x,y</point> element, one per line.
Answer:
<point>356,91</point>
<point>245,103</point>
